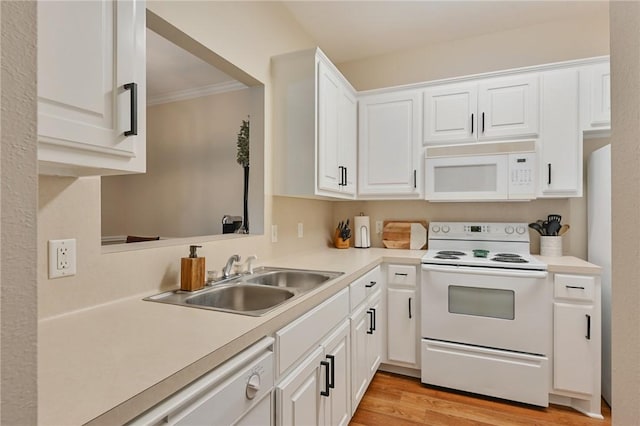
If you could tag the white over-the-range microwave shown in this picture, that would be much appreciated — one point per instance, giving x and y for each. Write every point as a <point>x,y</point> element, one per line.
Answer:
<point>496,171</point>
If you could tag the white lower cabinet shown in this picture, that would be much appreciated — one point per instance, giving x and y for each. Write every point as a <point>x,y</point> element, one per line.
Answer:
<point>576,342</point>
<point>401,326</point>
<point>402,316</point>
<point>315,389</point>
<point>366,349</point>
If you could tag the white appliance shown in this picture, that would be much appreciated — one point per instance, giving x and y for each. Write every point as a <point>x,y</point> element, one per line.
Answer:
<point>599,247</point>
<point>481,171</point>
<point>486,312</point>
<point>361,230</point>
<point>239,392</point>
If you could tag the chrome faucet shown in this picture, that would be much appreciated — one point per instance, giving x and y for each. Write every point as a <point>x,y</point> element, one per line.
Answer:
<point>226,271</point>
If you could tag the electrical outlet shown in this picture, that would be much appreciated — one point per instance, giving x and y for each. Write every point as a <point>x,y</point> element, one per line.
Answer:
<point>274,233</point>
<point>300,230</point>
<point>62,258</point>
<point>378,227</point>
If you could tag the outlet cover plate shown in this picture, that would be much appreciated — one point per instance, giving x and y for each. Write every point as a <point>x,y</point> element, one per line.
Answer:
<point>62,258</point>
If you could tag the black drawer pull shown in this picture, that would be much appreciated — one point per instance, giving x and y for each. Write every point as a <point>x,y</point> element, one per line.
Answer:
<point>370,314</point>
<point>410,316</point>
<point>575,286</point>
<point>134,109</point>
<point>588,336</point>
<point>327,391</point>
<point>401,274</point>
<point>371,284</point>
<point>332,382</point>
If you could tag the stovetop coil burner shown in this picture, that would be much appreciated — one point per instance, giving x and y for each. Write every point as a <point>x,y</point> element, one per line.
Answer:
<point>450,253</point>
<point>446,256</point>
<point>510,259</point>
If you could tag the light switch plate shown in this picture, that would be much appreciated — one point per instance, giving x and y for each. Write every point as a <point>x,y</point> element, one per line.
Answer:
<point>62,258</point>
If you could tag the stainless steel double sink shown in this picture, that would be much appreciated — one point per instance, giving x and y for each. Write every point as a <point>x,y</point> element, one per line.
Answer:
<point>253,294</point>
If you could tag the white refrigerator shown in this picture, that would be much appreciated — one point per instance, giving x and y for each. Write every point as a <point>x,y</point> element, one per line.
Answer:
<point>599,246</point>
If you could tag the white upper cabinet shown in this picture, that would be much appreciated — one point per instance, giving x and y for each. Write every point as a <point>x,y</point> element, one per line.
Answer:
<point>489,109</point>
<point>91,87</point>
<point>595,100</point>
<point>389,146</point>
<point>560,138</point>
<point>315,116</point>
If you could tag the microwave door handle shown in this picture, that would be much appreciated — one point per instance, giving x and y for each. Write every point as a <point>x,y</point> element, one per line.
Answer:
<point>485,271</point>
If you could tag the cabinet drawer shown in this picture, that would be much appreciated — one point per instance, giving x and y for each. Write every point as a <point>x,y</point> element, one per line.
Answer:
<point>402,275</point>
<point>294,340</point>
<point>575,287</point>
<point>363,286</point>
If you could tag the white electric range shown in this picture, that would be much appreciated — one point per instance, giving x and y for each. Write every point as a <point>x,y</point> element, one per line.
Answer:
<point>486,312</point>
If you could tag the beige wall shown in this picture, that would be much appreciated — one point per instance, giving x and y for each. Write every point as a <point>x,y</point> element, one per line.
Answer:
<point>625,179</point>
<point>70,208</point>
<point>539,44</point>
<point>18,198</point>
<point>192,176</point>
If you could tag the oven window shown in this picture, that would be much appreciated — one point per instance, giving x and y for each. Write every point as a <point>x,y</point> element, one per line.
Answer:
<point>482,302</point>
<point>471,178</point>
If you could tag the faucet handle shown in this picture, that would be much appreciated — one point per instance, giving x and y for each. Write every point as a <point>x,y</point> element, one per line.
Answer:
<point>248,262</point>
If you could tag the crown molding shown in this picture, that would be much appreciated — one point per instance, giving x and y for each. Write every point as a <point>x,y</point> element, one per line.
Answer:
<point>182,95</point>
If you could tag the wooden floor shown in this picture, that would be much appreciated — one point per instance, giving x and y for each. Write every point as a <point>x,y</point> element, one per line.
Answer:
<point>394,400</point>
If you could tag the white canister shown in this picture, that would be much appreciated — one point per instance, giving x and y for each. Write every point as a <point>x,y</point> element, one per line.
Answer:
<point>551,246</point>
<point>361,233</point>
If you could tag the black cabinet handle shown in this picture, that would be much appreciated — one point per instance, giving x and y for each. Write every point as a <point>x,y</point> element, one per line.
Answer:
<point>549,174</point>
<point>134,109</point>
<point>410,316</point>
<point>483,122</point>
<point>415,178</point>
<point>332,382</point>
<point>371,284</point>
<point>345,176</point>
<point>401,274</point>
<point>370,314</point>
<point>575,286</point>
<point>341,176</point>
<point>588,336</point>
<point>471,123</point>
<point>374,319</point>
<point>325,392</point>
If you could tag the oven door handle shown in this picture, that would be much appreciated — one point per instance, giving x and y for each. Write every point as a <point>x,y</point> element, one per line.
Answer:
<point>485,271</point>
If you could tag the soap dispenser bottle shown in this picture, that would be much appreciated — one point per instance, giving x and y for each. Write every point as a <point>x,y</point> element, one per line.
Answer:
<point>192,271</point>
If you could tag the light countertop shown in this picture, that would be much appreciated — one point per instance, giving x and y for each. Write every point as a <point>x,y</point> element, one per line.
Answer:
<point>109,363</point>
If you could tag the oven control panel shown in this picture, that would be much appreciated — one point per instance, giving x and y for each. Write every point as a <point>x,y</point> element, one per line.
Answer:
<point>479,231</point>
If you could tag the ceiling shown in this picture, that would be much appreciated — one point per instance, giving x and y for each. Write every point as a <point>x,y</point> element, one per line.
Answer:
<point>352,30</point>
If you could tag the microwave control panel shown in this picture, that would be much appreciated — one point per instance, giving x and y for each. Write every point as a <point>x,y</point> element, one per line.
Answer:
<point>522,175</point>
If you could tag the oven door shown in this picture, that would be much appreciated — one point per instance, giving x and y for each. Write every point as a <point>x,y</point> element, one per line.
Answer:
<point>488,307</point>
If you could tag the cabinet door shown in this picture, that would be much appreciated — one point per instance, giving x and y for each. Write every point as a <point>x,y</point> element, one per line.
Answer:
<point>84,110</point>
<point>348,140</point>
<point>595,98</point>
<point>337,407</point>
<point>389,163</point>
<point>329,174</point>
<point>374,338</point>
<point>450,114</point>
<point>401,325</point>
<point>298,395</point>
<point>508,107</point>
<point>574,350</point>
<point>561,139</point>
<point>359,366</point>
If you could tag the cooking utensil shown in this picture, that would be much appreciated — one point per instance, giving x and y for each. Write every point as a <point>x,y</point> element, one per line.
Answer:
<point>555,217</point>
<point>553,227</point>
<point>538,228</point>
<point>563,230</point>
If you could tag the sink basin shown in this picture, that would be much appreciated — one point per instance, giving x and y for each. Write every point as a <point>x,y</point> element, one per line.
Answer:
<point>255,294</point>
<point>240,297</point>
<point>304,280</point>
